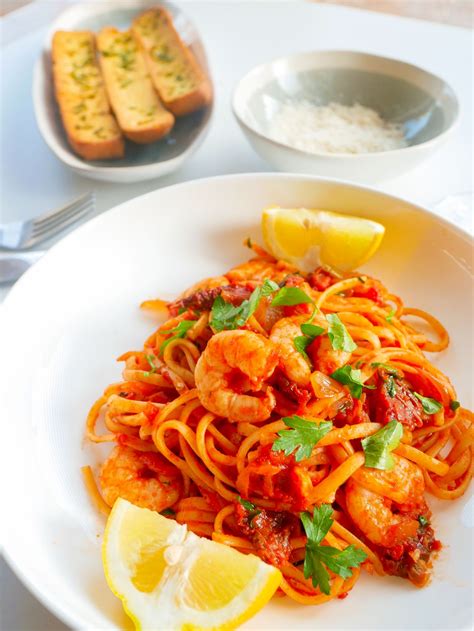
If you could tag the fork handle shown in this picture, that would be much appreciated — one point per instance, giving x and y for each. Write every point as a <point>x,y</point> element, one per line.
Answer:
<point>14,264</point>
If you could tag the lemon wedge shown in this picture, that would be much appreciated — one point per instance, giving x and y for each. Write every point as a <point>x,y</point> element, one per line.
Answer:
<point>308,238</point>
<point>169,578</point>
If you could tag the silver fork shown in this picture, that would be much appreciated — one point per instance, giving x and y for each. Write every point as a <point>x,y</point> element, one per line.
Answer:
<point>24,234</point>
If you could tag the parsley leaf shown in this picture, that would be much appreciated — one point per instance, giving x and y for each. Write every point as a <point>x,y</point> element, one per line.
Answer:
<point>253,511</point>
<point>391,314</point>
<point>389,369</point>
<point>289,296</point>
<point>430,406</point>
<point>168,512</point>
<point>303,435</point>
<point>151,360</point>
<point>318,526</point>
<point>318,556</point>
<point>269,286</point>
<point>377,447</point>
<point>390,386</point>
<point>311,332</point>
<point>179,332</point>
<point>352,378</point>
<point>338,334</point>
<point>301,343</point>
<point>340,561</point>
<point>454,405</point>
<point>423,521</point>
<point>224,315</point>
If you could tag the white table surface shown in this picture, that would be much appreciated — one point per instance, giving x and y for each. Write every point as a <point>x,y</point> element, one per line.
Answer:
<point>237,35</point>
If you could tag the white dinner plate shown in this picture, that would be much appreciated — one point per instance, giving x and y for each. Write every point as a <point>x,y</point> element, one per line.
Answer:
<point>71,315</point>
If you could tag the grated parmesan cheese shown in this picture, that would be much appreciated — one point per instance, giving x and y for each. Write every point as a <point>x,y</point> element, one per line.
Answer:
<point>334,128</point>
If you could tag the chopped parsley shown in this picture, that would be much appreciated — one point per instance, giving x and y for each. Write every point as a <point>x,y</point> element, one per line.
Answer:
<point>423,521</point>
<point>151,360</point>
<point>226,316</point>
<point>429,405</point>
<point>377,447</point>
<point>310,333</point>
<point>390,386</point>
<point>168,512</point>
<point>352,378</point>
<point>392,312</point>
<point>290,296</point>
<point>252,510</point>
<point>302,436</point>
<point>338,334</point>
<point>454,405</point>
<point>319,558</point>
<point>178,332</point>
<point>389,369</point>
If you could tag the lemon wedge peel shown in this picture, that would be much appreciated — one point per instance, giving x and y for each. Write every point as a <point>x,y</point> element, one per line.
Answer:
<point>201,584</point>
<point>310,237</point>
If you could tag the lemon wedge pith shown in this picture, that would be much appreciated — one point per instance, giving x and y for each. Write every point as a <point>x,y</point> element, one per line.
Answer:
<point>169,578</point>
<point>309,237</point>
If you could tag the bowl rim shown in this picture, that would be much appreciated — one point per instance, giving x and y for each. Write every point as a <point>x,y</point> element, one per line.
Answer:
<point>337,155</point>
<point>24,574</point>
<point>67,155</point>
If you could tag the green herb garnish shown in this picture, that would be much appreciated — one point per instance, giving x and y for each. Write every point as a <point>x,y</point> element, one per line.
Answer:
<point>352,378</point>
<point>319,559</point>
<point>390,315</point>
<point>178,332</point>
<point>226,316</point>
<point>151,360</point>
<point>423,521</point>
<point>389,369</point>
<point>429,405</point>
<point>290,296</point>
<point>251,508</point>
<point>310,333</point>
<point>454,405</point>
<point>168,512</point>
<point>303,435</point>
<point>377,447</point>
<point>338,334</point>
<point>390,386</point>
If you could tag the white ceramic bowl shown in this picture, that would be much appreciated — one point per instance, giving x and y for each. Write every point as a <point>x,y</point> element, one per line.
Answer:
<point>424,104</point>
<point>61,354</point>
<point>141,162</point>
